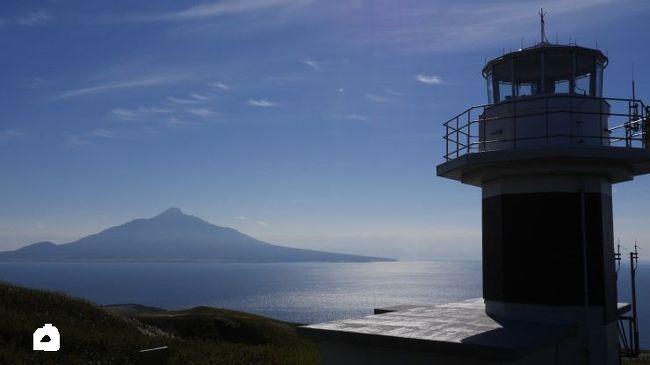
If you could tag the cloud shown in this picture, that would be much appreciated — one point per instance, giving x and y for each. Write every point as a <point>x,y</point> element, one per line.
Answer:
<point>248,221</point>
<point>181,100</point>
<point>9,134</point>
<point>35,83</point>
<point>356,117</point>
<point>425,26</point>
<point>176,122</point>
<point>393,92</point>
<point>203,112</point>
<point>72,141</point>
<point>138,113</point>
<point>214,9</point>
<point>219,85</point>
<point>194,98</point>
<point>103,133</point>
<point>261,103</point>
<point>377,98</point>
<point>429,79</point>
<point>34,19</point>
<point>199,97</point>
<point>119,85</point>
<point>313,64</point>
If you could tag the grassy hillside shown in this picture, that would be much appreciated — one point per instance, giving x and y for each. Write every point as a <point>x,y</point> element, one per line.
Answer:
<point>94,335</point>
<point>643,359</point>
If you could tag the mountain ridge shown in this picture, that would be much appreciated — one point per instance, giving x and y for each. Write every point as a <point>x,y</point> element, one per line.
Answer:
<point>174,236</point>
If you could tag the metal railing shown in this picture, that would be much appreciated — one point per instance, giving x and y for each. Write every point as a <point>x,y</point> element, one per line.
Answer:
<point>630,117</point>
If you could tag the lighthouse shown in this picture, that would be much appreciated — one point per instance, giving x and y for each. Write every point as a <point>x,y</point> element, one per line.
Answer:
<point>545,151</point>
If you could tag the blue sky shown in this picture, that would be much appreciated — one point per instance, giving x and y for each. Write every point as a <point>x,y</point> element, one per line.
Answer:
<point>309,123</point>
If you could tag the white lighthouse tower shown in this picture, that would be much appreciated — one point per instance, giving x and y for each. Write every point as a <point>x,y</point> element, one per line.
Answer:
<point>545,151</point>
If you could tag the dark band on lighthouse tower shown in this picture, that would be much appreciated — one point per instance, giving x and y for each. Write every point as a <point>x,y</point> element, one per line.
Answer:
<point>545,152</point>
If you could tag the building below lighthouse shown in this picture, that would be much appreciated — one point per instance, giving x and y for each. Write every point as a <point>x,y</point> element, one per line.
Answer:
<point>545,151</point>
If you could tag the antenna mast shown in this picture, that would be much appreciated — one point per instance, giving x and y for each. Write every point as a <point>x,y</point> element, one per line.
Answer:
<point>542,26</point>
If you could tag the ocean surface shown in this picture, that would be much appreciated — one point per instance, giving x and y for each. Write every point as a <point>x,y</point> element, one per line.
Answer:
<point>296,292</point>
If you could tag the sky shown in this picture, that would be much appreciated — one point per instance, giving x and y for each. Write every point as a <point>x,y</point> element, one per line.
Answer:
<point>307,123</point>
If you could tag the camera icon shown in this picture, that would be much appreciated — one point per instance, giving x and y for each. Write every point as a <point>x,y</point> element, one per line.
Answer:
<point>47,338</point>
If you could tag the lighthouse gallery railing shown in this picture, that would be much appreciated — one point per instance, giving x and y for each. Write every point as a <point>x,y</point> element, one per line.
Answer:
<point>630,119</point>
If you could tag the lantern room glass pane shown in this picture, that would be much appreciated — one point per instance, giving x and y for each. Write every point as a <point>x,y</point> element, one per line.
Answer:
<point>505,90</point>
<point>583,85</point>
<point>490,88</point>
<point>502,81</point>
<point>599,80</point>
<point>525,89</point>
<point>561,86</point>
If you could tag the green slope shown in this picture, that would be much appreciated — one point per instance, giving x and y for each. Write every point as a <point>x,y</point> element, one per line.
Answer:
<point>94,335</point>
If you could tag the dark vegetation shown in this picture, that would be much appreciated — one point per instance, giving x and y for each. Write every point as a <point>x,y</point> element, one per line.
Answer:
<point>91,334</point>
<point>644,358</point>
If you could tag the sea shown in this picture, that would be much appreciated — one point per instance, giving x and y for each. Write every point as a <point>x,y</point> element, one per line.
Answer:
<point>296,292</point>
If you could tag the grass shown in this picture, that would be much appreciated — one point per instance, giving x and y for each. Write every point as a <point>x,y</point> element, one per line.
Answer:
<point>95,335</point>
<point>643,359</point>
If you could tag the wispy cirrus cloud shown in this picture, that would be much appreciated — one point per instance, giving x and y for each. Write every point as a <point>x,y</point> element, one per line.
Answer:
<point>429,79</point>
<point>9,134</point>
<point>73,141</point>
<point>138,113</point>
<point>311,63</point>
<point>175,122</point>
<point>261,103</point>
<point>214,9</point>
<point>103,133</point>
<point>377,98</point>
<point>106,86</point>
<point>182,100</point>
<point>245,219</point>
<point>193,99</point>
<point>356,117</point>
<point>463,25</point>
<point>33,18</point>
<point>219,85</point>
<point>394,93</point>
<point>200,97</point>
<point>206,113</point>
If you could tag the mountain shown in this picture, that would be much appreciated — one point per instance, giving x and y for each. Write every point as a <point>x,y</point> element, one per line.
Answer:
<point>174,236</point>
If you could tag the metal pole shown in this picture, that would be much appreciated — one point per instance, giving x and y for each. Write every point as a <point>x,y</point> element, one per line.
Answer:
<point>446,142</point>
<point>585,274</point>
<point>468,129</point>
<point>633,263</point>
<point>457,138</point>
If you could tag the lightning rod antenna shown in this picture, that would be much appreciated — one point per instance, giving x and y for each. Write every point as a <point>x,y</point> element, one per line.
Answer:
<point>542,26</point>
